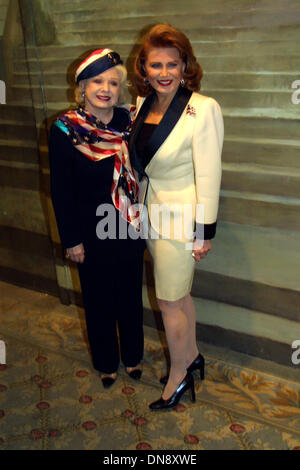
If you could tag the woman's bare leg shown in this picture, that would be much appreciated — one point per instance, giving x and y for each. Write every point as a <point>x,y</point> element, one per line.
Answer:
<point>176,327</point>
<point>190,312</point>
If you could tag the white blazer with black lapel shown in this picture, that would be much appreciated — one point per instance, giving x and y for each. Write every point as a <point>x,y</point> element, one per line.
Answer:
<point>184,158</point>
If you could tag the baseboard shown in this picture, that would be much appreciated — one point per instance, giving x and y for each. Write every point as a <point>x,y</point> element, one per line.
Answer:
<point>29,281</point>
<point>256,346</point>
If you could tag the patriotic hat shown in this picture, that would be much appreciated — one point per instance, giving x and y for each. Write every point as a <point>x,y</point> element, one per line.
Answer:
<point>97,62</point>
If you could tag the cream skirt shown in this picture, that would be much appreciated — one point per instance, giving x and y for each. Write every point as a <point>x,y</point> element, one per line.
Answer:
<point>173,268</point>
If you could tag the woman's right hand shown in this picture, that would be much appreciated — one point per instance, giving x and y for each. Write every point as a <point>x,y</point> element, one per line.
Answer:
<point>76,253</point>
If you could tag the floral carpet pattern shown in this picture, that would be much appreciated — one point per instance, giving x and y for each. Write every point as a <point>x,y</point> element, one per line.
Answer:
<point>52,398</point>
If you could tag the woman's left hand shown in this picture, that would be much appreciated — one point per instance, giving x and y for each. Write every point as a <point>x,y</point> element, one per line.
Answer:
<point>200,253</point>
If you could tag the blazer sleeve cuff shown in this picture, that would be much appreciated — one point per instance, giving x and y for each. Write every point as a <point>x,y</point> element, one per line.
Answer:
<point>70,242</point>
<point>205,231</point>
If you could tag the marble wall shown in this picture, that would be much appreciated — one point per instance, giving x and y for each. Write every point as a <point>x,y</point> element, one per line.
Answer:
<point>248,49</point>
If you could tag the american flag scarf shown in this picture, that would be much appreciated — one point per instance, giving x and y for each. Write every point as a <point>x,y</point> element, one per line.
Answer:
<point>97,142</point>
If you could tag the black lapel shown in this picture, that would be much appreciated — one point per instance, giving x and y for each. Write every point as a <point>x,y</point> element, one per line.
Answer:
<point>169,121</point>
<point>163,129</point>
<point>139,121</point>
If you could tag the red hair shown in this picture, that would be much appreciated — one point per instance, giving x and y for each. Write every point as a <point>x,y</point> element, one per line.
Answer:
<point>160,36</point>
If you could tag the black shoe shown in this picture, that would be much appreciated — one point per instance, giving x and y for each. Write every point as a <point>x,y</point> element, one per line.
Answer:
<point>135,374</point>
<point>198,363</point>
<point>107,381</point>
<point>186,384</point>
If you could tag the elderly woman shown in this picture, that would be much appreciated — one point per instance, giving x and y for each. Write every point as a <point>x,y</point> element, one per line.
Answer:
<point>176,146</point>
<point>91,177</point>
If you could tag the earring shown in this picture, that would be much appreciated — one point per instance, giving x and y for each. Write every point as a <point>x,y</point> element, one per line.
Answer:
<point>146,81</point>
<point>83,95</point>
<point>182,82</point>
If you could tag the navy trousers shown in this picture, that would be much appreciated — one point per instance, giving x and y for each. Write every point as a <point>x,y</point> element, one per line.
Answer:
<point>111,282</point>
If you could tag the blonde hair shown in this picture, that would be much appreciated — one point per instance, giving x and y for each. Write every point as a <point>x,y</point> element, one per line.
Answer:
<point>78,92</point>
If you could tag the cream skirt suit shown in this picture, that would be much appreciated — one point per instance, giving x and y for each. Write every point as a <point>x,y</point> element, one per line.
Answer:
<point>183,180</point>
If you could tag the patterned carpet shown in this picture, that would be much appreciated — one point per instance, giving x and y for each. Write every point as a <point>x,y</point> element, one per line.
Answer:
<point>51,398</point>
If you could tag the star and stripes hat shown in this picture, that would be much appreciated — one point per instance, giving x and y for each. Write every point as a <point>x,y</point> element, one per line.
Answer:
<point>97,62</point>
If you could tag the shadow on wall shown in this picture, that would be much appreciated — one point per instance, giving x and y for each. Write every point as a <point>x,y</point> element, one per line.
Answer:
<point>38,21</point>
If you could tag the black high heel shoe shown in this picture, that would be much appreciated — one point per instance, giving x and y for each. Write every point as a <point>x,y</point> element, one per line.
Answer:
<point>186,384</point>
<point>198,363</point>
<point>108,381</point>
<point>135,374</point>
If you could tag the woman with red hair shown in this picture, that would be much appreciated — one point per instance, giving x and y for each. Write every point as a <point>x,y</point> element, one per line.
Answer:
<point>176,146</point>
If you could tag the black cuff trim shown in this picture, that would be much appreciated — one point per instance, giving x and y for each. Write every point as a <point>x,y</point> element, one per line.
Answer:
<point>208,230</point>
